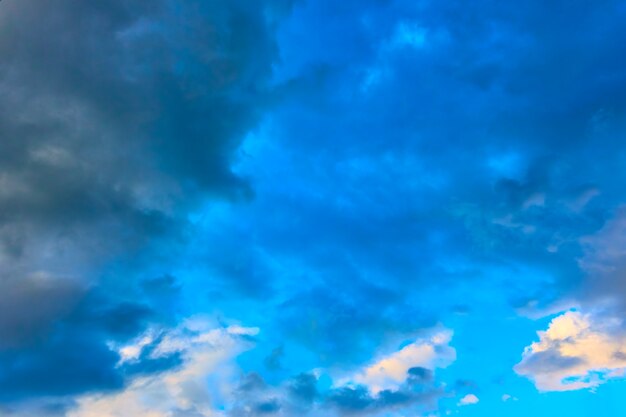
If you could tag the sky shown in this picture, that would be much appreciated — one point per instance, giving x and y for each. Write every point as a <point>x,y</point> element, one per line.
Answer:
<point>246,208</point>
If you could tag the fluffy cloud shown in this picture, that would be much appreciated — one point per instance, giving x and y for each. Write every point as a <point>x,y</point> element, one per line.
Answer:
<point>390,371</point>
<point>468,400</point>
<point>576,351</point>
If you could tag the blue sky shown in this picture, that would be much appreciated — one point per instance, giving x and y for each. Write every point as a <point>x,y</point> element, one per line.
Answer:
<point>269,208</point>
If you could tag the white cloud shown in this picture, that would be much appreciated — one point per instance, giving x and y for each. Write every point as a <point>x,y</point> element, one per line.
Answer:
<point>390,371</point>
<point>200,386</point>
<point>468,399</point>
<point>575,352</point>
<point>132,351</point>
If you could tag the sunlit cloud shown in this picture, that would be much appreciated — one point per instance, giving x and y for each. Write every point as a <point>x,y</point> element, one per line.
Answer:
<point>577,351</point>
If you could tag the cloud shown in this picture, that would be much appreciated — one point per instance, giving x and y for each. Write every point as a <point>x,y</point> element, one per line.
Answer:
<point>358,399</point>
<point>577,351</point>
<point>508,397</point>
<point>67,351</point>
<point>201,384</point>
<point>469,161</point>
<point>272,361</point>
<point>416,359</point>
<point>106,141</point>
<point>117,120</point>
<point>407,387</point>
<point>304,387</point>
<point>604,261</point>
<point>468,400</point>
<point>29,306</point>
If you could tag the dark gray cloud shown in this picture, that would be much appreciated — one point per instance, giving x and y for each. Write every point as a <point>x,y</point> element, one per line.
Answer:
<point>115,120</point>
<point>67,362</point>
<point>113,116</point>
<point>67,352</point>
<point>29,306</point>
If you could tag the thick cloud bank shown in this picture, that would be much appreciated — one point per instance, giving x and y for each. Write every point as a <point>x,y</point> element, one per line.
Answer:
<point>115,119</point>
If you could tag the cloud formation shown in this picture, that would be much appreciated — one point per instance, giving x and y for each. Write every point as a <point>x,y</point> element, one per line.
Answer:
<point>577,351</point>
<point>342,175</point>
<point>421,356</point>
<point>116,120</point>
<point>200,384</point>
<point>469,399</point>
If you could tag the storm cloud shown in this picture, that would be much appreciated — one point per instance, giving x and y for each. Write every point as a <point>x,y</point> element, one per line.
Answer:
<point>116,119</point>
